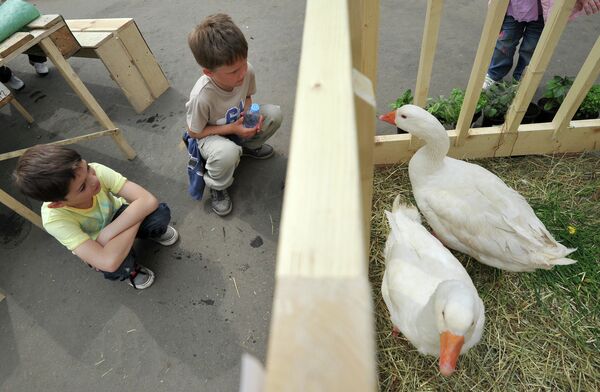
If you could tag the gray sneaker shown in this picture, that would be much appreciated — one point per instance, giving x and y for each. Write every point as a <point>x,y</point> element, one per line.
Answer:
<point>141,278</point>
<point>263,152</point>
<point>221,202</point>
<point>168,238</point>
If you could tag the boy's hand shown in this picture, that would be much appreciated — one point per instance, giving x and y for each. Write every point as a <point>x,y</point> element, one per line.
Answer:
<point>243,132</point>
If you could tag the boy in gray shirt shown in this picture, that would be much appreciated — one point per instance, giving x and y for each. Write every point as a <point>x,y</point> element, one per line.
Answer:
<point>217,103</point>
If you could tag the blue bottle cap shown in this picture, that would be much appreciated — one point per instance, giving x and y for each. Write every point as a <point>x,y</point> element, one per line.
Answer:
<point>254,107</point>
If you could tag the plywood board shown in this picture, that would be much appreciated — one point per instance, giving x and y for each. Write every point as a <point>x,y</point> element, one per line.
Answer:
<point>124,72</point>
<point>104,24</point>
<point>144,60</point>
<point>91,39</point>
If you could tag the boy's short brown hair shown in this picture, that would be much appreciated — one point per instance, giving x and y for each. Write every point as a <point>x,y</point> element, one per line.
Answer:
<point>45,172</point>
<point>217,41</point>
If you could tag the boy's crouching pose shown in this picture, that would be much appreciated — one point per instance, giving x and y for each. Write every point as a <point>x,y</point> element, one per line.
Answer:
<point>94,211</point>
<point>217,101</point>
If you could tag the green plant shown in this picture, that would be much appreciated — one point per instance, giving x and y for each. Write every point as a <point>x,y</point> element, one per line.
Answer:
<point>498,98</point>
<point>438,107</point>
<point>405,99</point>
<point>590,107</point>
<point>556,91</point>
<point>447,110</point>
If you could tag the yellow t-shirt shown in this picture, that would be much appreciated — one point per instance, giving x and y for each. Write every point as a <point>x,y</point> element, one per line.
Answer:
<point>73,226</point>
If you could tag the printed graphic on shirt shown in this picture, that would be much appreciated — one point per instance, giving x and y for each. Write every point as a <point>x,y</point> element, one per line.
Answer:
<point>232,114</point>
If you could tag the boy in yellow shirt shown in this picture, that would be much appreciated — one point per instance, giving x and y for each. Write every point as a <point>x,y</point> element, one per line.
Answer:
<point>94,211</point>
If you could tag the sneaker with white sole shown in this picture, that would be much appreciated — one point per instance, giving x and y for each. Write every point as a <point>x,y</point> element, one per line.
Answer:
<point>488,82</point>
<point>168,238</point>
<point>221,202</point>
<point>15,83</point>
<point>40,68</point>
<point>141,278</point>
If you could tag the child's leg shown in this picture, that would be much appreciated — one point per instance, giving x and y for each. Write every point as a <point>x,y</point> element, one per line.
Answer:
<point>125,270</point>
<point>502,58</point>
<point>271,122</point>
<point>531,36</point>
<point>155,224</point>
<point>222,157</point>
<point>5,74</point>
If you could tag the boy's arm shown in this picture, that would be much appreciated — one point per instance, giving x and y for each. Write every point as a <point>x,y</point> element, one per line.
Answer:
<point>234,128</point>
<point>141,204</point>
<point>109,257</point>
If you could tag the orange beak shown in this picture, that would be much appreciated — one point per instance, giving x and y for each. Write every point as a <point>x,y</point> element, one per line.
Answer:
<point>389,118</point>
<point>450,346</point>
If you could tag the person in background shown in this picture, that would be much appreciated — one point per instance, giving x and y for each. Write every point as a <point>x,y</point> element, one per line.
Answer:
<point>523,23</point>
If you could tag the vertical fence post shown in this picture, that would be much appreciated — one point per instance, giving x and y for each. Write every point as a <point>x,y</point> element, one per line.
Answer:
<point>321,336</point>
<point>581,85</point>
<point>428,47</point>
<point>364,31</point>
<point>491,27</point>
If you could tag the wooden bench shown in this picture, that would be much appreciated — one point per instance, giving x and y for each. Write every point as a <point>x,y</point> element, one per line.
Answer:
<point>126,55</point>
<point>7,97</point>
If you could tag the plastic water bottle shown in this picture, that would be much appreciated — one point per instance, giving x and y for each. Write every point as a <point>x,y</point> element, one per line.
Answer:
<point>252,116</point>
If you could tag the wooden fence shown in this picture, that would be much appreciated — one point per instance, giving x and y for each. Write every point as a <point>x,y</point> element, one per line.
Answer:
<point>322,328</point>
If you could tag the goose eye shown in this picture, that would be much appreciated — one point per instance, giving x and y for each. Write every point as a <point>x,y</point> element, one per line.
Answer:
<point>403,116</point>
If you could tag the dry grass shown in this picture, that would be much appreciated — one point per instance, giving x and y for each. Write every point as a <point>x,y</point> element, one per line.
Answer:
<point>542,329</point>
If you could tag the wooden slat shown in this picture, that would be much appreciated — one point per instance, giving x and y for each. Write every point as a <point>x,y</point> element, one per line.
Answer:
<point>14,42</point>
<point>321,336</point>
<point>491,27</point>
<point>428,47</point>
<point>584,135</point>
<point>64,142</point>
<point>44,22</point>
<point>581,85</point>
<point>21,110</point>
<point>364,103</point>
<point>144,60</point>
<point>111,25</point>
<point>124,72</point>
<point>364,30</point>
<point>91,39</point>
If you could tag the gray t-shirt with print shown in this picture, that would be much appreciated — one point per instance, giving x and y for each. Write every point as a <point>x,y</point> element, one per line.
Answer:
<point>211,105</point>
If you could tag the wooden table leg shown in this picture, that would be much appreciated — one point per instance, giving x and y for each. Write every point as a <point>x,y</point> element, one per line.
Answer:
<point>86,97</point>
<point>21,110</point>
<point>20,209</point>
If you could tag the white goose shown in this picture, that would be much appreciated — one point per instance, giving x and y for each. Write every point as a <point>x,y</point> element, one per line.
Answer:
<point>469,208</point>
<point>430,296</point>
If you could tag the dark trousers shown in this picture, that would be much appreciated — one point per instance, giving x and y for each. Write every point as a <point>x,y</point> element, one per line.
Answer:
<point>513,32</point>
<point>6,74</point>
<point>154,225</point>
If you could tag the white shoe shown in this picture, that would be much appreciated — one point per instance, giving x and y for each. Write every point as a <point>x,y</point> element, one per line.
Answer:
<point>168,238</point>
<point>488,82</point>
<point>15,83</point>
<point>41,68</point>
